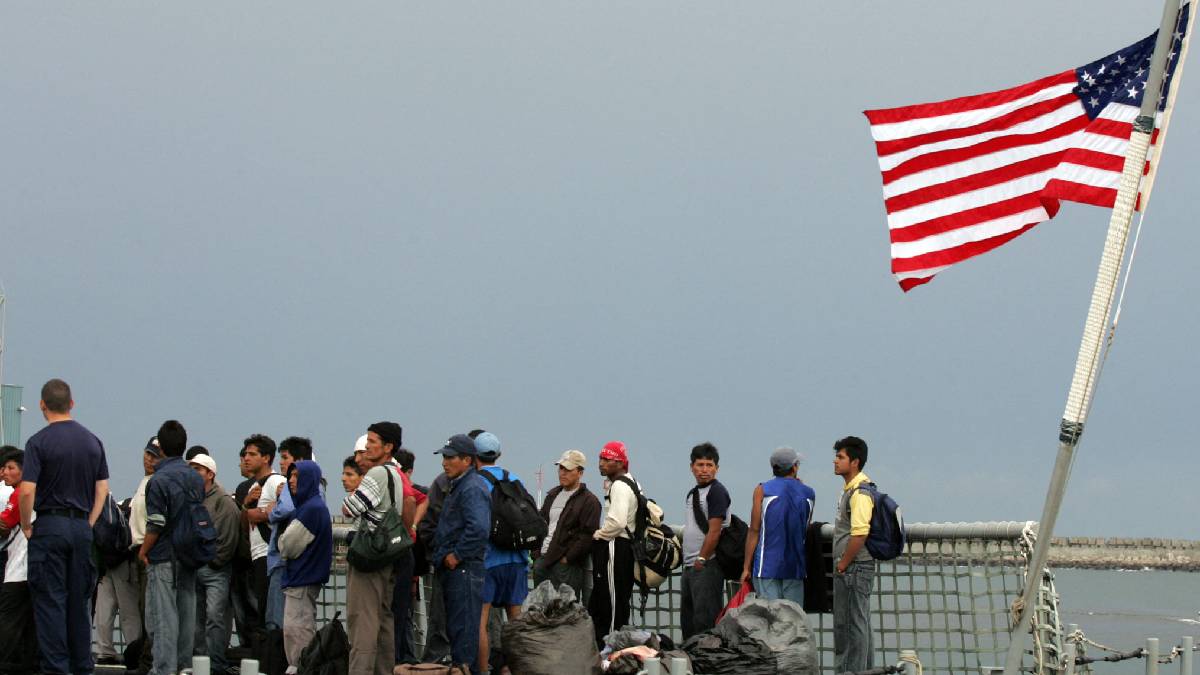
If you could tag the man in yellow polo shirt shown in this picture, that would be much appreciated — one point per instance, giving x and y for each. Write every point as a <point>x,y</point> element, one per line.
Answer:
<point>854,576</point>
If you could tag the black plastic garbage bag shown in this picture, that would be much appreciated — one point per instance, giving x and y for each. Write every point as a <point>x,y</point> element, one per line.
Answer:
<point>553,635</point>
<point>630,637</point>
<point>782,626</point>
<point>725,650</point>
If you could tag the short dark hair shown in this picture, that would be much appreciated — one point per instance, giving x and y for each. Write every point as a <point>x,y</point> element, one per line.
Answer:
<point>266,446</point>
<point>298,447</point>
<point>350,463</point>
<point>196,450</point>
<point>780,472</point>
<point>406,458</point>
<point>172,438</point>
<point>56,394</point>
<point>855,448</point>
<point>11,453</point>
<point>706,451</point>
<point>474,433</point>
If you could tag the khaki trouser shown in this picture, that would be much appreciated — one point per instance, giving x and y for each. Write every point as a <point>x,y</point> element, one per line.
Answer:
<point>369,621</point>
<point>299,620</point>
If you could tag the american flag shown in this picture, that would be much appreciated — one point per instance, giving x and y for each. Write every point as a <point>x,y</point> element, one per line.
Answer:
<point>964,176</point>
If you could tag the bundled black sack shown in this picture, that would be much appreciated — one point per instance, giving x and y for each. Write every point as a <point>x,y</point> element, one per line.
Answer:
<point>553,635</point>
<point>726,650</point>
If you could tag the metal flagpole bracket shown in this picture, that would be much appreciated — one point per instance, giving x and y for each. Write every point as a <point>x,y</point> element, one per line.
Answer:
<point>1069,432</point>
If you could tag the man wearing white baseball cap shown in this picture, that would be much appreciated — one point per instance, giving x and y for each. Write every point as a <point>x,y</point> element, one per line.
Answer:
<point>573,514</point>
<point>213,579</point>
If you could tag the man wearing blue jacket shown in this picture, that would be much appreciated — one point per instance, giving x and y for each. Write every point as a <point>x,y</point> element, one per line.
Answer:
<point>459,546</point>
<point>306,547</point>
<point>779,520</point>
<point>170,586</point>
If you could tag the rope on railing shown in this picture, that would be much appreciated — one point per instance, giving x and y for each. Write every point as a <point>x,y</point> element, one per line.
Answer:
<point>1116,655</point>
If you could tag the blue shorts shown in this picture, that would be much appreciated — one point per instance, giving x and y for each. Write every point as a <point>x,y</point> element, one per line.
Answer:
<point>506,585</point>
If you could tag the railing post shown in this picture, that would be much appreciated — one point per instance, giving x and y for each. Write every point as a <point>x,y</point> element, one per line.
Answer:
<point>1071,649</point>
<point>1151,656</point>
<point>1185,659</point>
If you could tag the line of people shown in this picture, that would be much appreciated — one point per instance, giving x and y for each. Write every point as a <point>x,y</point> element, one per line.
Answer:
<point>196,564</point>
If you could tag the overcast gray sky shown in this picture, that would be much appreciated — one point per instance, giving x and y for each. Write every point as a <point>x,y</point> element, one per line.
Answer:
<point>570,223</point>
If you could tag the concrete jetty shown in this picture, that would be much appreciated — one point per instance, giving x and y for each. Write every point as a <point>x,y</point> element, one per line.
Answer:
<point>1181,555</point>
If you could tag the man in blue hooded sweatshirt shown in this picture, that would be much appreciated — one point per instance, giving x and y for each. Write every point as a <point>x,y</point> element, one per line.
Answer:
<point>306,546</point>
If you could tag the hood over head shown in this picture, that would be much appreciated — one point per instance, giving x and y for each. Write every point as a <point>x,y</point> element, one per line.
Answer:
<point>308,481</point>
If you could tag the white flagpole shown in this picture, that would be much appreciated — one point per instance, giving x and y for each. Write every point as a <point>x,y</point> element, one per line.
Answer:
<point>1087,366</point>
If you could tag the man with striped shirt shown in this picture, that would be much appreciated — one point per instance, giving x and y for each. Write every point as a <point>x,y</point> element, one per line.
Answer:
<point>369,620</point>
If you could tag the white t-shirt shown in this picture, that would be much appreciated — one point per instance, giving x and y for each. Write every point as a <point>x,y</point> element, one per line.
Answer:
<point>17,568</point>
<point>270,489</point>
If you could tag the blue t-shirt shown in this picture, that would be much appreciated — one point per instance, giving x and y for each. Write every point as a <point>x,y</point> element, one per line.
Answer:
<point>498,556</point>
<point>65,460</point>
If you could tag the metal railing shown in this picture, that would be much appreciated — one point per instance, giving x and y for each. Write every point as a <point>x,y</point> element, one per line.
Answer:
<point>949,597</point>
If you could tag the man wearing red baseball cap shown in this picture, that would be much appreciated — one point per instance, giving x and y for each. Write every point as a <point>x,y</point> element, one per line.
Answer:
<point>612,554</point>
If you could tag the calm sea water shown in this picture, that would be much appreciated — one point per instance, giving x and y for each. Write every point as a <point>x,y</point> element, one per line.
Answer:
<point>1121,609</point>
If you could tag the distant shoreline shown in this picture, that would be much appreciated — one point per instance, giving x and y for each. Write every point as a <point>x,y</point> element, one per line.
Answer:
<point>1125,553</point>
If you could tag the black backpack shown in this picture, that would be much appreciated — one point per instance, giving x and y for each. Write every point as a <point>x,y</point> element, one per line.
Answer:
<point>193,536</point>
<point>111,534</point>
<point>516,523</point>
<point>329,651</point>
<point>654,544</point>
<point>731,547</point>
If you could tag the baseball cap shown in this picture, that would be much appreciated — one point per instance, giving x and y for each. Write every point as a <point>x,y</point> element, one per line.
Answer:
<point>152,447</point>
<point>487,446</point>
<point>458,444</point>
<point>204,461</point>
<point>361,444</point>
<point>572,459</point>
<point>615,450</point>
<point>784,458</point>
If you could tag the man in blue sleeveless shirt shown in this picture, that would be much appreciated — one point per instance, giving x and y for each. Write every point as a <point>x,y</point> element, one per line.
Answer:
<point>779,519</point>
<point>66,481</point>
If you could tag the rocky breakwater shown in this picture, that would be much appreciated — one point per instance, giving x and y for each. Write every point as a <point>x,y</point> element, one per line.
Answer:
<point>1125,553</point>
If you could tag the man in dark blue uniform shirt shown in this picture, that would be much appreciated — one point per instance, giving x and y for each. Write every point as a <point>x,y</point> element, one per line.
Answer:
<point>66,483</point>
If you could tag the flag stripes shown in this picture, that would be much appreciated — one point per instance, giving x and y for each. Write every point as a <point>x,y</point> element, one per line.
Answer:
<point>964,176</point>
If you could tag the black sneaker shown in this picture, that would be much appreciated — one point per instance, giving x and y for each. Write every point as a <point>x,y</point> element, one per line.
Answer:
<point>109,661</point>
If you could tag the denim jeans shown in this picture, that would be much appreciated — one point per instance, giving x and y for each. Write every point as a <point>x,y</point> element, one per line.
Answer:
<point>213,637</point>
<point>437,639</point>
<point>171,615</point>
<point>274,617</point>
<point>462,591</point>
<point>703,596</point>
<point>780,589</point>
<point>852,617</point>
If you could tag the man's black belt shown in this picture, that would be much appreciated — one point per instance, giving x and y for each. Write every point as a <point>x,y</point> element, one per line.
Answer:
<point>65,513</point>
